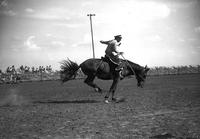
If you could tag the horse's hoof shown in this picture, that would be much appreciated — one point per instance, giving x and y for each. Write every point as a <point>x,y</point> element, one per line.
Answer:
<point>106,101</point>
<point>98,90</point>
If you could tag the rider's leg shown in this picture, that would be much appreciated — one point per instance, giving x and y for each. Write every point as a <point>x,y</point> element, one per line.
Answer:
<point>119,69</point>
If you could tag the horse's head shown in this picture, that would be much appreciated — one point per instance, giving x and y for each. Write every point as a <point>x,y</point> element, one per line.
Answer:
<point>141,76</point>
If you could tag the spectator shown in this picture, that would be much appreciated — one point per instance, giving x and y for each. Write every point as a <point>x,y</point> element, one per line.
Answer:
<point>50,69</point>
<point>33,69</point>
<point>21,69</point>
<point>27,69</point>
<point>8,70</point>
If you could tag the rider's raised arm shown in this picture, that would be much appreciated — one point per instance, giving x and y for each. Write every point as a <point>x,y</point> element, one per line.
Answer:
<point>105,42</point>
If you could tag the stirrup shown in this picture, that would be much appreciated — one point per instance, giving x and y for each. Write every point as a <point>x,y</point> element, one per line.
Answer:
<point>121,75</point>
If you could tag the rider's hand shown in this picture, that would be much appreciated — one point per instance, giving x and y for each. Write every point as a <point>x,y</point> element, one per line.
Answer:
<point>121,53</point>
<point>101,41</point>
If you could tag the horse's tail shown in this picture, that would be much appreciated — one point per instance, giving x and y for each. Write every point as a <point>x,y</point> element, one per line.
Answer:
<point>68,70</point>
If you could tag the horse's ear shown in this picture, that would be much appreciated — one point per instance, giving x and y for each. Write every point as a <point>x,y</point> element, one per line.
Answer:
<point>146,68</point>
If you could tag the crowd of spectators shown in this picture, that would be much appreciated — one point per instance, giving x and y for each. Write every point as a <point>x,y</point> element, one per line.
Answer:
<point>13,74</point>
<point>27,69</point>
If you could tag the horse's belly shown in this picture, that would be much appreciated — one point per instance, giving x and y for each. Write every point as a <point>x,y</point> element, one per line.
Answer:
<point>104,76</point>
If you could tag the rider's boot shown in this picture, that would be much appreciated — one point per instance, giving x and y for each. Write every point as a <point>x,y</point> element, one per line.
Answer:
<point>119,68</point>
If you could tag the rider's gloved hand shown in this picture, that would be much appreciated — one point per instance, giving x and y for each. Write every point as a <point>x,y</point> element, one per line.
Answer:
<point>121,53</point>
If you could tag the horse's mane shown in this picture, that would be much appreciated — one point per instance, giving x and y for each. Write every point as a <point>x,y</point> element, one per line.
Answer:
<point>135,66</point>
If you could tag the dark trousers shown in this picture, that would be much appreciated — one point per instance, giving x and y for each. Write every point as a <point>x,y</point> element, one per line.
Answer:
<point>115,67</point>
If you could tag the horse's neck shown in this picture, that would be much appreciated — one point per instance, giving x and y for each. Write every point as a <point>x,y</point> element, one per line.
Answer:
<point>133,66</point>
<point>136,66</point>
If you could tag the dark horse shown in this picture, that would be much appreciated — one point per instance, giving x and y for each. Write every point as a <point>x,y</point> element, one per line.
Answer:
<point>100,68</point>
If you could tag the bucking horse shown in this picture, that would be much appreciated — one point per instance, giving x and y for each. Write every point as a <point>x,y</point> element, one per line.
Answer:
<point>105,70</point>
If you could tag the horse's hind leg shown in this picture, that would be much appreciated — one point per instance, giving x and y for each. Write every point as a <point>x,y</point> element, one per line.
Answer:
<point>112,90</point>
<point>89,81</point>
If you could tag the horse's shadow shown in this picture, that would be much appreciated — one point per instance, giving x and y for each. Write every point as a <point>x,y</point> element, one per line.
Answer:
<point>66,101</point>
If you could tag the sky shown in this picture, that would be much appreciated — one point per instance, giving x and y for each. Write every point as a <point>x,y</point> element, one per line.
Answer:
<point>45,32</point>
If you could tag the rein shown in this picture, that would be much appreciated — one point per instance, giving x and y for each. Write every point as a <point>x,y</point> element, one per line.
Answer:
<point>129,65</point>
<point>131,68</point>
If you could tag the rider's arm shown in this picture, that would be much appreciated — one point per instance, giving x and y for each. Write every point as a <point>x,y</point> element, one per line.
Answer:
<point>105,42</point>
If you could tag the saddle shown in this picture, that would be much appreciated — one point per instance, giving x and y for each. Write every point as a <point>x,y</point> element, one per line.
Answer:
<point>113,60</point>
<point>114,65</point>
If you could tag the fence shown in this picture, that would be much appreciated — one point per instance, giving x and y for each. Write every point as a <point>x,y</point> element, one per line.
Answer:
<point>44,76</point>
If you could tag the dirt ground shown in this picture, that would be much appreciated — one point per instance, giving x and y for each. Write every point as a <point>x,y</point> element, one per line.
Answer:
<point>168,107</point>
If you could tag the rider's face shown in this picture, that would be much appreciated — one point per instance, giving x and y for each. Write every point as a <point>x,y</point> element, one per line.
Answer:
<point>119,39</point>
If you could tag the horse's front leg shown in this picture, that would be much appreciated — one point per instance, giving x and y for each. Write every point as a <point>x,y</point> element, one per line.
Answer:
<point>112,89</point>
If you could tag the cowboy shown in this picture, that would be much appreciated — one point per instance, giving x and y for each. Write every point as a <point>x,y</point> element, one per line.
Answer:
<point>112,53</point>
